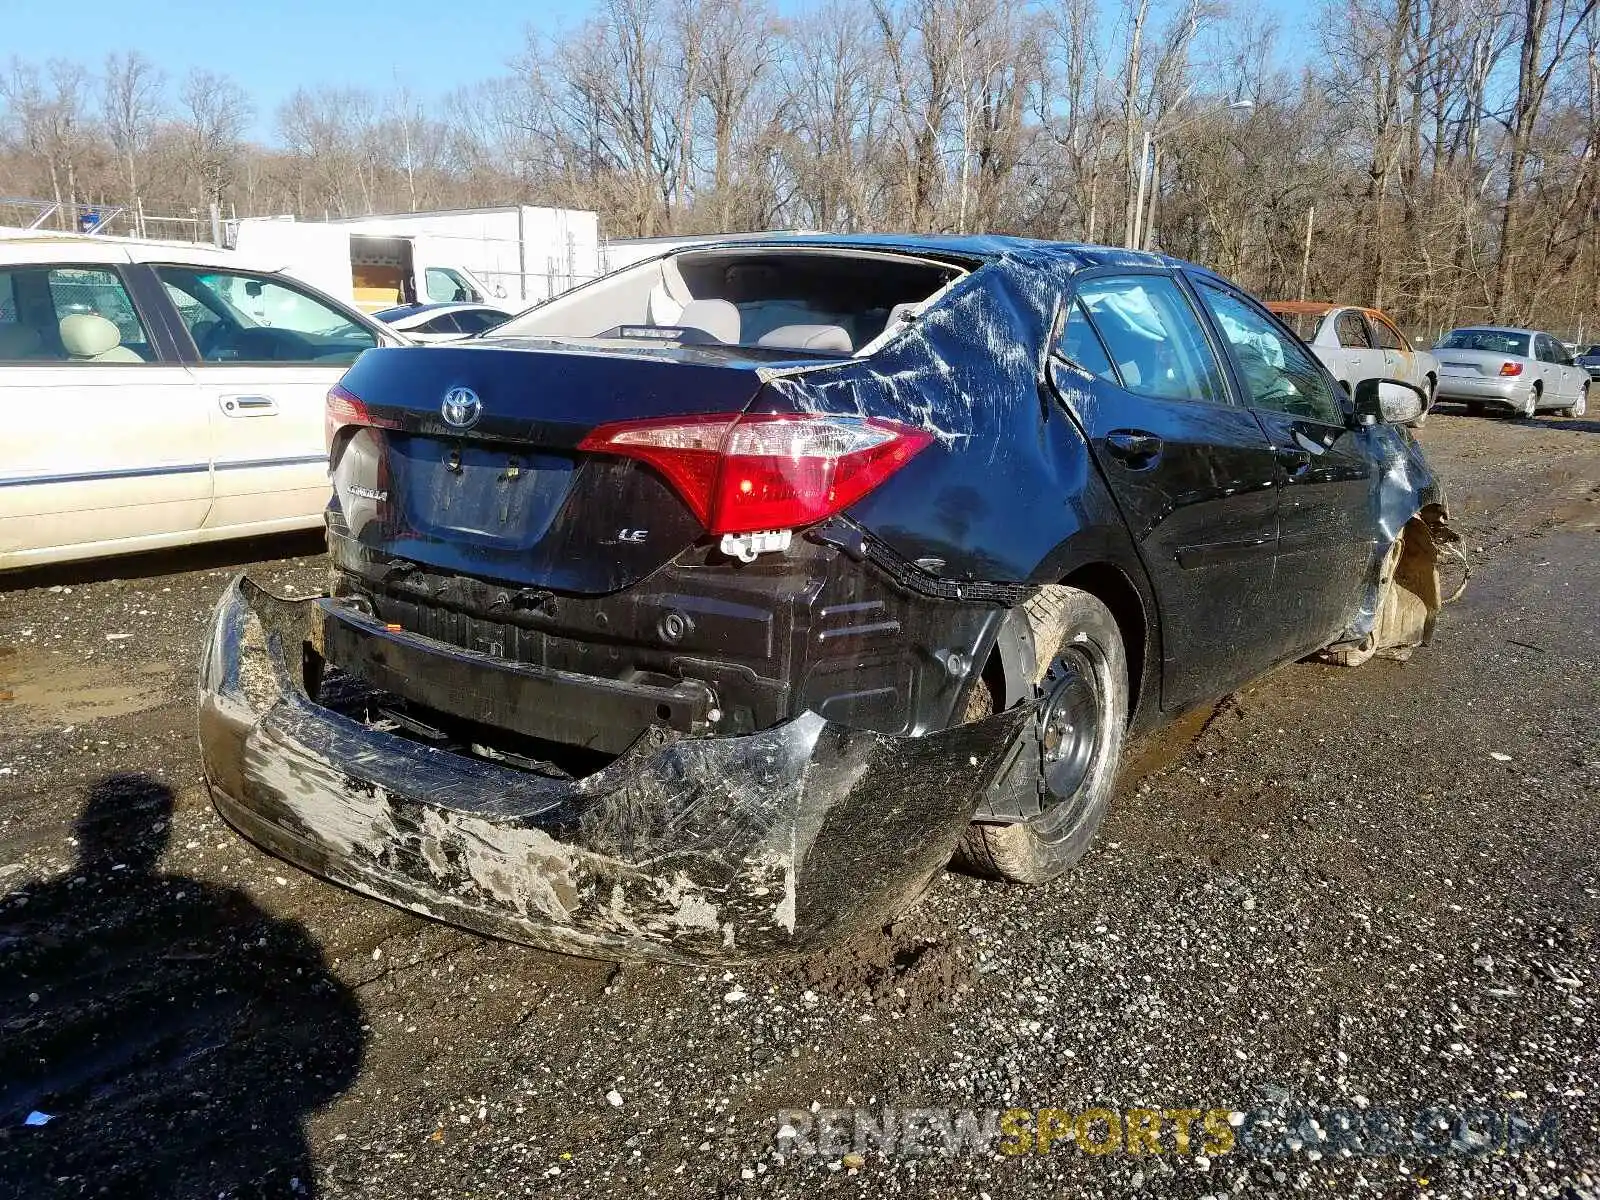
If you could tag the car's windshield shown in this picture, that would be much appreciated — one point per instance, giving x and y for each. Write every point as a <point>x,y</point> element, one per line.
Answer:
<point>1590,351</point>
<point>1493,341</point>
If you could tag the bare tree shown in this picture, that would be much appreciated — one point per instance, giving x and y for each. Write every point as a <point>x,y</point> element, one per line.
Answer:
<point>1548,29</point>
<point>132,105</point>
<point>213,114</point>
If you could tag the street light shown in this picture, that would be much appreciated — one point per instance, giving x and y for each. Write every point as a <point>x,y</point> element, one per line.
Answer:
<point>1141,224</point>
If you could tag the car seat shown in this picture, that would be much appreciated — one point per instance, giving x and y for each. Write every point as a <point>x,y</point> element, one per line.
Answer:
<point>87,337</point>
<point>831,339</point>
<point>716,317</point>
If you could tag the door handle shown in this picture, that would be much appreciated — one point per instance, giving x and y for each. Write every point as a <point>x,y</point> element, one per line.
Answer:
<point>1296,462</point>
<point>248,406</point>
<point>1138,449</point>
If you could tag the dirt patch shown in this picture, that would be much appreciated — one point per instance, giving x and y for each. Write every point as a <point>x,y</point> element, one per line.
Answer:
<point>906,967</point>
<point>38,691</point>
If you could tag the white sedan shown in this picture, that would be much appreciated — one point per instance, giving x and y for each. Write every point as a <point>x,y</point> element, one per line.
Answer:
<point>159,394</point>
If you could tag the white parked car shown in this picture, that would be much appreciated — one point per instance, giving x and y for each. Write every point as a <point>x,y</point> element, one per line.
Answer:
<point>442,322</point>
<point>1357,343</point>
<point>158,394</point>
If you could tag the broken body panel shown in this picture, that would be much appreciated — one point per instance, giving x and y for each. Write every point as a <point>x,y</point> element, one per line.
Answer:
<point>542,703</point>
<point>682,849</point>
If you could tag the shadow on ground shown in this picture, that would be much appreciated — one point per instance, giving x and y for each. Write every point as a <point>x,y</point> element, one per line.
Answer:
<point>203,556</point>
<point>175,1035</point>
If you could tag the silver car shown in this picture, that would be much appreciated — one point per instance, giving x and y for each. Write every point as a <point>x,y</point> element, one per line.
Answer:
<point>1521,371</point>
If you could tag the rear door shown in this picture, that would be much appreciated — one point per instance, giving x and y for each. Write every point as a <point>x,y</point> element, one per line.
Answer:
<point>263,353</point>
<point>1326,526</point>
<point>1398,360</point>
<point>106,436</point>
<point>1560,381</point>
<point>1193,474</point>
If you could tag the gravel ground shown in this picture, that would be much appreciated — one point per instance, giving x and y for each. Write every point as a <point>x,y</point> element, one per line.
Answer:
<point>1346,896</point>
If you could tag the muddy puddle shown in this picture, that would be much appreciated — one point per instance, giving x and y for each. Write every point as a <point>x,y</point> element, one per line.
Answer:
<point>39,690</point>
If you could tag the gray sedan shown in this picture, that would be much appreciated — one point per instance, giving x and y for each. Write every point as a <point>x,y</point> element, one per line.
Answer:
<point>1521,371</point>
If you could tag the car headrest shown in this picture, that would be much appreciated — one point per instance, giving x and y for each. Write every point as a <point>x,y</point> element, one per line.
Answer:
<point>88,335</point>
<point>716,317</point>
<point>19,341</point>
<point>831,338</point>
<point>661,308</point>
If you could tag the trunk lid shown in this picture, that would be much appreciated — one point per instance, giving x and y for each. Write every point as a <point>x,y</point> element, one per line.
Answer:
<point>490,482</point>
<point>1472,362</point>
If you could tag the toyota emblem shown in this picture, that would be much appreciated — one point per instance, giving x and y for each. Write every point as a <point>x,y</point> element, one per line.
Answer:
<point>461,408</point>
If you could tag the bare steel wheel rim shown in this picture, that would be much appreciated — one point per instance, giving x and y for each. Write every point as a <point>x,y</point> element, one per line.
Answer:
<point>1582,406</point>
<point>1075,733</point>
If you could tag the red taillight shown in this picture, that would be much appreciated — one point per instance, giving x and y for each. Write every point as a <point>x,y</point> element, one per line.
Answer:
<point>1510,368</point>
<point>741,474</point>
<point>343,409</point>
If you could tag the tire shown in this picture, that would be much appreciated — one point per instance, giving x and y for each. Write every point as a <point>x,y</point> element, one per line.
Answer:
<point>1580,407</point>
<point>1082,663</point>
<point>1532,410</point>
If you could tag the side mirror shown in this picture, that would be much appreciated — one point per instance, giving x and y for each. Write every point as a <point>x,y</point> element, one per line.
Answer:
<point>1389,402</point>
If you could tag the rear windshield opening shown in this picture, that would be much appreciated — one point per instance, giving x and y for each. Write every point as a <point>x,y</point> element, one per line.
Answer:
<point>811,300</point>
<point>1492,341</point>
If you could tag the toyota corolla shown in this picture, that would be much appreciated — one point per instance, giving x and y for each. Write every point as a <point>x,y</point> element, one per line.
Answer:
<point>706,610</point>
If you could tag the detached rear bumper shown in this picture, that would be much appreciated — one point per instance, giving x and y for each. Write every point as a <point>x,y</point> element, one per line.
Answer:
<point>684,849</point>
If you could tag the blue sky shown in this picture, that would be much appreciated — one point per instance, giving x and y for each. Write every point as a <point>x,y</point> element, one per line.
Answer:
<point>271,48</point>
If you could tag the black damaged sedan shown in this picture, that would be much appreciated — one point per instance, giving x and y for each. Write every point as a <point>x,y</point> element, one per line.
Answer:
<point>704,611</point>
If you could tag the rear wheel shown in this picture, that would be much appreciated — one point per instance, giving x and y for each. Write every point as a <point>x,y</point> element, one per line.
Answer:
<point>1531,409</point>
<point>1082,691</point>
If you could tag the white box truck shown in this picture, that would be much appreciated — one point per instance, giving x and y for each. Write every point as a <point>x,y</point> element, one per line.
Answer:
<point>508,257</point>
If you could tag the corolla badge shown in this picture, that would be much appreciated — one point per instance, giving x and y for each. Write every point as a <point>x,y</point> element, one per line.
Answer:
<point>461,408</point>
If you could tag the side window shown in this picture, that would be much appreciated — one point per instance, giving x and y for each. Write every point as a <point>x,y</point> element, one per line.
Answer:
<point>477,321</point>
<point>1153,337</point>
<point>1277,373</point>
<point>1388,336</point>
<point>1352,331</point>
<point>239,318</point>
<point>69,314</point>
<point>1305,325</point>
<point>445,286</point>
<point>1081,344</point>
<point>443,323</point>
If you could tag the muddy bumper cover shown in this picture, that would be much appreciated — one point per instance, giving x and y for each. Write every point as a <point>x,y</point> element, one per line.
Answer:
<point>684,849</point>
